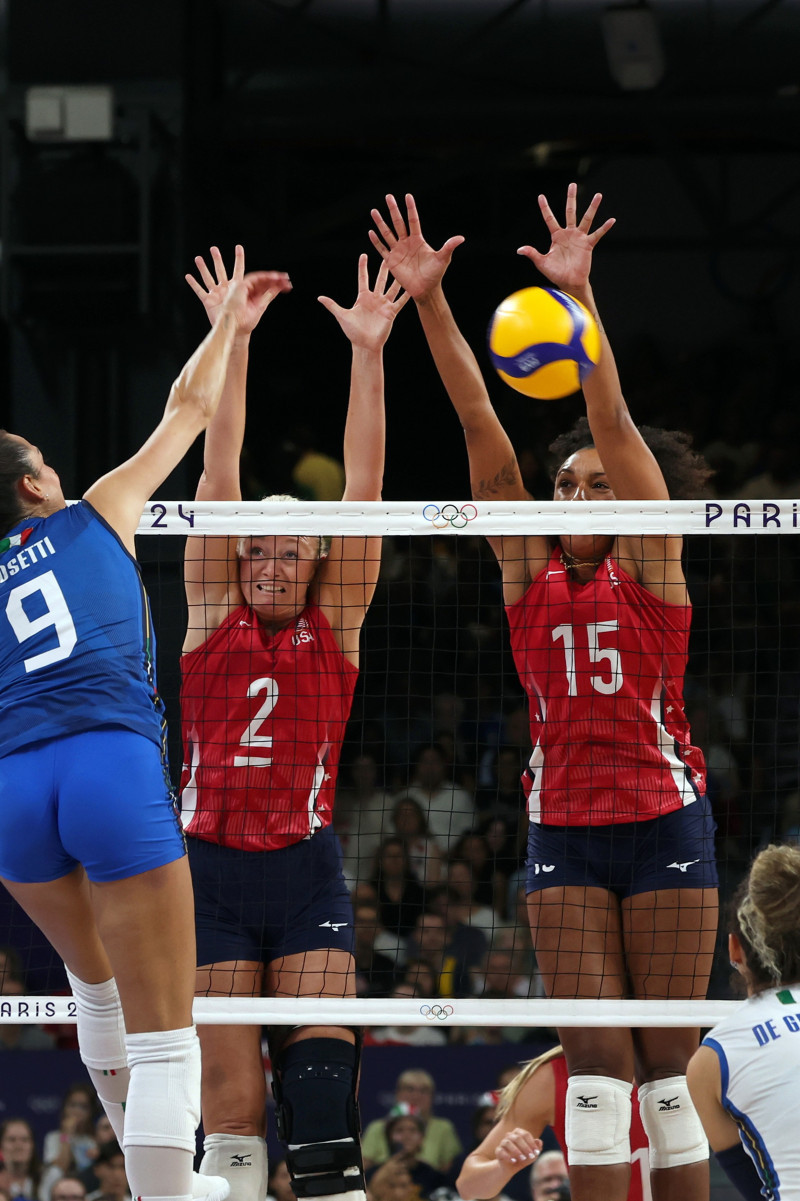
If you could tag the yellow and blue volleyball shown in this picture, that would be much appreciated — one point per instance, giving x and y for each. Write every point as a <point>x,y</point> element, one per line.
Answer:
<point>543,342</point>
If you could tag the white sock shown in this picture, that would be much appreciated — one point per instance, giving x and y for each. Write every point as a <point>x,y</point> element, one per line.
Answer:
<point>242,1160</point>
<point>209,1188</point>
<point>162,1112</point>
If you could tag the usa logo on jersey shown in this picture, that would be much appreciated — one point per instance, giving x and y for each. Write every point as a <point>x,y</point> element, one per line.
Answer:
<point>302,632</point>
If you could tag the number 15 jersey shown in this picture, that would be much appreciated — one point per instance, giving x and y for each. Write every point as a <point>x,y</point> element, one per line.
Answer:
<point>602,664</point>
<point>263,718</point>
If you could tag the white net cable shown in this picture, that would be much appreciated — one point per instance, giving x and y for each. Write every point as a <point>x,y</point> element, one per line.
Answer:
<point>471,518</point>
<point>439,1011</point>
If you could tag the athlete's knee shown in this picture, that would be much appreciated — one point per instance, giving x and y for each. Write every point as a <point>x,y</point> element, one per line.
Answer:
<point>598,1125</point>
<point>670,1121</point>
<point>163,1105</point>
<point>317,1116</point>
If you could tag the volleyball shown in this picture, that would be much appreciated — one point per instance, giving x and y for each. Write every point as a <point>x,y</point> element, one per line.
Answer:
<point>543,342</point>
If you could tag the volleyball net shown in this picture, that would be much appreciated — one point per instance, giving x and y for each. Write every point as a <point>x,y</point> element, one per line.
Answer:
<point>429,805</point>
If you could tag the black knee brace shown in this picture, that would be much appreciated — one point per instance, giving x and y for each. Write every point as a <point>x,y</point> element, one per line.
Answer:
<point>314,1084</point>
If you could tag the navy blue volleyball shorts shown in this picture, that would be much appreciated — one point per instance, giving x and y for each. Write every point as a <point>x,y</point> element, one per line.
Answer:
<point>101,798</point>
<point>262,905</point>
<point>672,851</point>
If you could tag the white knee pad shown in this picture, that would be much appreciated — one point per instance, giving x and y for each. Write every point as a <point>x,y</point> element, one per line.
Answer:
<point>163,1108</point>
<point>101,1038</point>
<point>671,1123</point>
<point>598,1112</point>
<point>242,1160</point>
<point>101,1028</point>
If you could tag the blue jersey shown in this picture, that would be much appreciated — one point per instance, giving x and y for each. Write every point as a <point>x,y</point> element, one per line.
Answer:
<point>77,649</point>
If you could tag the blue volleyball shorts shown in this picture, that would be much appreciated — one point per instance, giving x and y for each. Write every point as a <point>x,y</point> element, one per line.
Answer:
<point>101,798</point>
<point>262,905</point>
<point>672,851</point>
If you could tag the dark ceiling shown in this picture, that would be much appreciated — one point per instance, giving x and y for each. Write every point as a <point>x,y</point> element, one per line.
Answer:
<point>280,123</point>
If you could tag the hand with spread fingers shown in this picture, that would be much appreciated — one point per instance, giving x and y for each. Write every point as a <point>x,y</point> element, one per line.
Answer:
<point>369,322</point>
<point>568,261</point>
<point>414,264</point>
<point>214,288</point>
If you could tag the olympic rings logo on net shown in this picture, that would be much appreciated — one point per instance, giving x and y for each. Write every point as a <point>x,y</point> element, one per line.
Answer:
<point>436,1012</point>
<point>449,515</point>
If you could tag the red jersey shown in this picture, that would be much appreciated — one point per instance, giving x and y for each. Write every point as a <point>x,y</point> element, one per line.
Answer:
<point>602,664</point>
<point>639,1188</point>
<point>263,718</point>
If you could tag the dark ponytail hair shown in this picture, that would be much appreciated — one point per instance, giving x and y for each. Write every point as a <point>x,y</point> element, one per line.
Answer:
<point>14,463</point>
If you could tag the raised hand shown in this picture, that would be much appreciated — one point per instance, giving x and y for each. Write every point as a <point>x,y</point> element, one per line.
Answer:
<point>369,322</point>
<point>518,1148</point>
<point>214,288</point>
<point>247,298</point>
<point>568,261</point>
<point>416,265</point>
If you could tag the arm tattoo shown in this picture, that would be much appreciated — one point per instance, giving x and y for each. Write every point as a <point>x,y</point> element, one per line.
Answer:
<point>507,476</point>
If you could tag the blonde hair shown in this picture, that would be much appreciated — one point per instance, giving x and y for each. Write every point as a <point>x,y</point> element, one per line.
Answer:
<point>514,1087</point>
<point>767,914</point>
<point>324,540</point>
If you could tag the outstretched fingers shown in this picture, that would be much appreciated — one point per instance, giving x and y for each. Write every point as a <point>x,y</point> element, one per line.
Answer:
<point>602,230</point>
<point>396,217</point>
<point>547,213</point>
<point>381,278</point>
<point>414,227</point>
<point>219,265</point>
<point>398,297</point>
<point>203,271</point>
<point>589,215</point>
<point>330,305</point>
<point>571,207</point>
<point>238,262</point>
<point>450,245</point>
<point>377,242</point>
<point>197,288</point>
<point>384,239</point>
<point>363,274</point>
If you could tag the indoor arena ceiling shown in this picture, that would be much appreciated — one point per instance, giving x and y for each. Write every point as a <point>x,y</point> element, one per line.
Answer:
<point>451,76</point>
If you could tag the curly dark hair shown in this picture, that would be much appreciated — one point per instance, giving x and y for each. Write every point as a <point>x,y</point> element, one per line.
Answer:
<point>685,472</point>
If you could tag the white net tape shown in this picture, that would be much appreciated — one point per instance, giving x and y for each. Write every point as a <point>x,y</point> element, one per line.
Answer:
<point>452,1011</point>
<point>492,518</point>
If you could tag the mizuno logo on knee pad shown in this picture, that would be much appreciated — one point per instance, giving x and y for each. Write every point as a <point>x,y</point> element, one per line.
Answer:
<point>241,1161</point>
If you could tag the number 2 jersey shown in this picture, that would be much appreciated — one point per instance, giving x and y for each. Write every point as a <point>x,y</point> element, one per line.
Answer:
<point>263,719</point>
<point>77,649</point>
<point>603,664</point>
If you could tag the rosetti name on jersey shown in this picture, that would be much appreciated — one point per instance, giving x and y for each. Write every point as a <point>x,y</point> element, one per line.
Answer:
<point>26,558</point>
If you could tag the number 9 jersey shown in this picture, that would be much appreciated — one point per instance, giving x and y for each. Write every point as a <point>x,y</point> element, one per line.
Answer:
<point>77,649</point>
<point>602,664</point>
